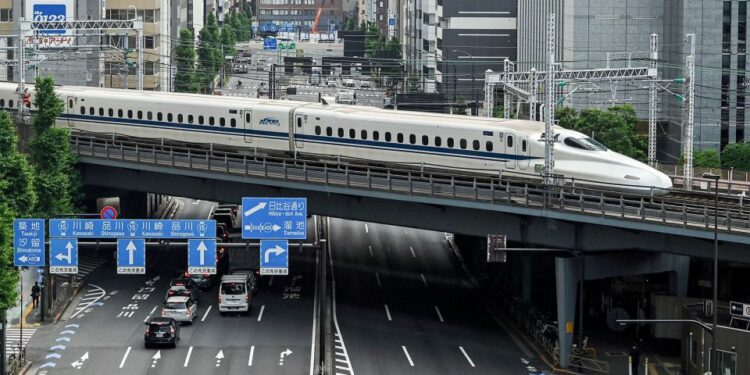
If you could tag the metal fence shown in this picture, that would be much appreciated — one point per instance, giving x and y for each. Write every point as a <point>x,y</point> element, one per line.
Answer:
<point>676,211</point>
<point>16,361</point>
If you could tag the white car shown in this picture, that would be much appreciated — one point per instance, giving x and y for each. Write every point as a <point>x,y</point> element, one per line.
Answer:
<point>181,309</point>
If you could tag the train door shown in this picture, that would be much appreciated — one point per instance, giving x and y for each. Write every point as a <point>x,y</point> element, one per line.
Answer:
<point>247,120</point>
<point>523,151</point>
<point>71,105</point>
<point>510,150</point>
<point>299,129</point>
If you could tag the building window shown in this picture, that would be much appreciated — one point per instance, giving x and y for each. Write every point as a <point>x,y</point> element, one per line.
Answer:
<point>148,42</point>
<point>6,15</point>
<point>727,28</point>
<point>693,350</point>
<point>742,27</point>
<point>149,68</point>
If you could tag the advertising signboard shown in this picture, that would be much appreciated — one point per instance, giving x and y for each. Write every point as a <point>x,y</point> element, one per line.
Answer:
<point>51,11</point>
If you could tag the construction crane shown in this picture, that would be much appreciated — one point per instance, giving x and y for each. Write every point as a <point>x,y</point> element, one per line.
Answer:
<point>317,17</point>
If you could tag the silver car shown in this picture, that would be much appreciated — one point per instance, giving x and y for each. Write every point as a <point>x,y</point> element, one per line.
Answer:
<point>181,309</point>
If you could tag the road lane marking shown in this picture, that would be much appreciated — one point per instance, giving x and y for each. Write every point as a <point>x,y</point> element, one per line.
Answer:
<point>388,313</point>
<point>187,359</point>
<point>467,356</point>
<point>377,277</point>
<point>440,316</point>
<point>411,363</point>
<point>412,252</point>
<point>424,279</point>
<point>250,358</point>
<point>366,228</point>
<point>125,357</point>
<point>371,254</point>
<point>260,314</point>
<point>206,314</point>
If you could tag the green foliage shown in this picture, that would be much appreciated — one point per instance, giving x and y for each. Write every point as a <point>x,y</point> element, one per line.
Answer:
<point>736,156</point>
<point>498,111</point>
<point>460,108</point>
<point>351,24</point>
<point>228,40</point>
<point>17,191</point>
<point>209,53</point>
<point>54,162</point>
<point>48,104</point>
<point>374,40</point>
<point>614,127</point>
<point>184,56</point>
<point>8,274</point>
<point>706,159</point>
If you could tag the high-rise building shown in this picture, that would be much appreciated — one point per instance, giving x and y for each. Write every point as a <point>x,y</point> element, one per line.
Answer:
<point>587,32</point>
<point>300,15</point>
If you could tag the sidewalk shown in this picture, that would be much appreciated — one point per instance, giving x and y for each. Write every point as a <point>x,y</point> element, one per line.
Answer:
<point>28,277</point>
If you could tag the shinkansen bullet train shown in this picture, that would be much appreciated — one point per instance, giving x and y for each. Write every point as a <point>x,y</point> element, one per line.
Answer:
<point>468,144</point>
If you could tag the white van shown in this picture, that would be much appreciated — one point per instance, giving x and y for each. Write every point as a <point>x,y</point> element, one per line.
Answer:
<point>235,294</point>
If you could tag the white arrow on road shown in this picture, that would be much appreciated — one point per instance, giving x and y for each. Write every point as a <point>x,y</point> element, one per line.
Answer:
<point>130,249</point>
<point>60,256</point>
<point>72,326</point>
<point>48,364</point>
<point>155,358</point>
<point>202,249</point>
<point>53,355</point>
<point>79,363</point>
<point>219,357</point>
<point>286,353</point>
<point>278,250</point>
<point>68,332</point>
<point>255,209</point>
<point>57,347</point>
<point>66,339</point>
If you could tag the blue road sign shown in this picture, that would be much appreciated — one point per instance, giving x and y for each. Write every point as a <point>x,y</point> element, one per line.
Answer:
<point>274,218</point>
<point>50,13</point>
<point>270,43</point>
<point>391,22</point>
<point>274,257</point>
<point>124,228</point>
<point>202,256</point>
<point>63,255</point>
<point>28,242</point>
<point>131,256</point>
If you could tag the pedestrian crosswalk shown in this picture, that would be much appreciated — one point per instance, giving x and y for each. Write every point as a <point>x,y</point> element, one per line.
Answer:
<point>13,338</point>
<point>88,264</point>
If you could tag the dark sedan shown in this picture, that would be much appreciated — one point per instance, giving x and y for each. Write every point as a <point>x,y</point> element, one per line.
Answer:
<point>162,331</point>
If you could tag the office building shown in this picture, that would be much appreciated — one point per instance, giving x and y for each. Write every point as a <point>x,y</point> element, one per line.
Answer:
<point>300,15</point>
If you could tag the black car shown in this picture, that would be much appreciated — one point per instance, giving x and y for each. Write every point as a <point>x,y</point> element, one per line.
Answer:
<point>162,331</point>
<point>184,287</point>
<point>203,281</point>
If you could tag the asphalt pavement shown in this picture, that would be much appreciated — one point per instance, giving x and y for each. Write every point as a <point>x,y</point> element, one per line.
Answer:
<point>404,306</point>
<point>102,330</point>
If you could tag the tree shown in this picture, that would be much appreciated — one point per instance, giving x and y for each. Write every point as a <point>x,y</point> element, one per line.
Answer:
<point>228,40</point>
<point>17,191</point>
<point>56,178</point>
<point>498,111</point>
<point>736,156</point>
<point>209,52</point>
<point>460,108</point>
<point>184,56</point>
<point>351,24</point>
<point>706,159</point>
<point>8,273</point>
<point>614,127</point>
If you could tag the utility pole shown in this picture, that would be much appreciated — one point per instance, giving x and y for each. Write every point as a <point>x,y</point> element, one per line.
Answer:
<point>532,94</point>
<point>652,102</point>
<point>125,59</point>
<point>549,105</point>
<point>506,97</point>
<point>687,131</point>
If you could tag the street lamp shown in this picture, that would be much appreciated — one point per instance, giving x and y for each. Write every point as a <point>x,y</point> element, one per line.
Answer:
<point>715,177</point>
<point>473,78</point>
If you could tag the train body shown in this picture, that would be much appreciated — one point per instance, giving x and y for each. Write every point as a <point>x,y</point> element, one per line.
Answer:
<point>468,144</point>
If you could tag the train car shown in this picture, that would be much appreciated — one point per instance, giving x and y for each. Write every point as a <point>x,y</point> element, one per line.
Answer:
<point>446,142</point>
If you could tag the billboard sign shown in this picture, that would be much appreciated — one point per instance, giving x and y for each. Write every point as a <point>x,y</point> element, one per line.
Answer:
<point>51,11</point>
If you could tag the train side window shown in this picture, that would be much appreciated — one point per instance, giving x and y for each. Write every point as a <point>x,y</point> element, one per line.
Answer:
<point>329,131</point>
<point>149,115</point>
<point>222,121</point>
<point>463,144</point>
<point>412,138</point>
<point>159,116</point>
<point>450,142</point>
<point>299,122</point>
<point>2,102</point>
<point>475,145</point>
<point>211,120</point>
<point>91,111</point>
<point>387,136</point>
<point>10,103</point>
<point>376,135</point>
<point>247,117</point>
<point>352,133</point>
<point>83,110</point>
<point>70,103</point>
<point>510,141</point>
<point>130,113</point>
<point>489,146</point>
<point>111,112</point>
<point>425,140</point>
<point>101,111</point>
<point>190,119</point>
<point>180,118</point>
<point>317,130</point>
<point>438,142</point>
<point>119,113</point>
<point>523,146</point>
<point>140,115</point>
<point>169,117</point>
<point>400,138</point>
<point>200,120</point>
<point>364,134</point>
<point>233,123</point>
<point>341,132</point>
